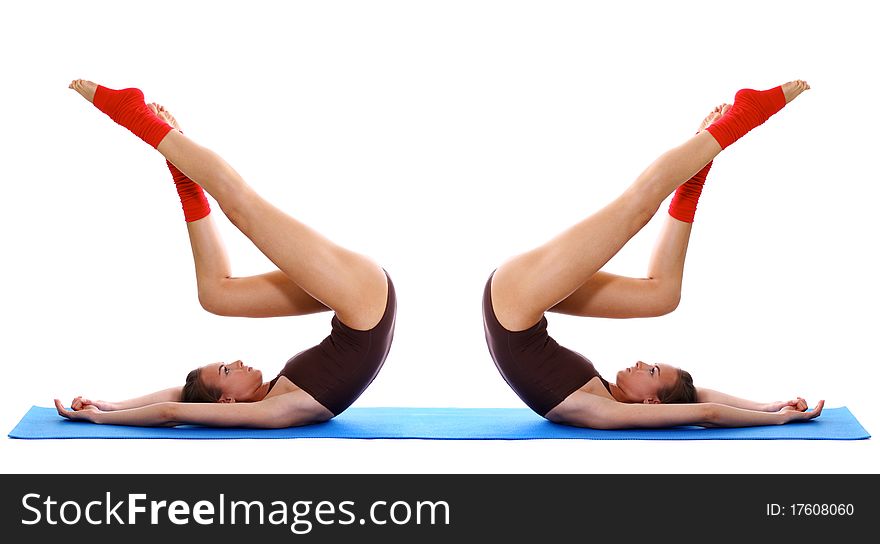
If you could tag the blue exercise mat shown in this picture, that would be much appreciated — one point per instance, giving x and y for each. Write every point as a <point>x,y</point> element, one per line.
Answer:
<point>442,424</point>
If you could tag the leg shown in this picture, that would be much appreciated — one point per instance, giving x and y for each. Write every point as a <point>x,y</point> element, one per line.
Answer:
<point>348,283</point>
<point>609,295</point>
<point>267,295</point>
<point>528,285</point>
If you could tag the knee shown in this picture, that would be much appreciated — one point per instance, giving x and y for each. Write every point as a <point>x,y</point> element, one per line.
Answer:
<point>211,300</point>
<point>233,207</point>
<point>662,298</point>
<point>643,206</point>
<point>231,193</point>
<point>667,302</point>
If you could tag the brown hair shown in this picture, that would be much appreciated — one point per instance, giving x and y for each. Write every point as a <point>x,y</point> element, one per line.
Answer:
<point>195,390</point>
<point>682,392</point>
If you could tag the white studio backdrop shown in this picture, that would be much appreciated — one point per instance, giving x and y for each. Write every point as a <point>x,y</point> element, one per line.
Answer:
<point>439,138</point>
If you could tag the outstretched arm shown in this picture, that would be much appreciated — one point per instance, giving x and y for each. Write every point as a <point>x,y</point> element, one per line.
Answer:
<point>172,394</point>
<point>288,410</point>
<point>709,395</point>
<point>600,413</point>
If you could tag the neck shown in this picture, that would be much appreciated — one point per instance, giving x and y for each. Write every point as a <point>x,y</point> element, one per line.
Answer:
<point>617,393</point>
<point>262,392</point>
<point>259,394</point>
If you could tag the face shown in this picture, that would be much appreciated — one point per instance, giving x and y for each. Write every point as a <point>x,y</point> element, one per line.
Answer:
<point>643,382</point>
<point>235,381</point>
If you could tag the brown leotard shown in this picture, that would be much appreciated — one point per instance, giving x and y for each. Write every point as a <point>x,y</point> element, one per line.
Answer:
<point>533,364</point>
<point>339,369</point>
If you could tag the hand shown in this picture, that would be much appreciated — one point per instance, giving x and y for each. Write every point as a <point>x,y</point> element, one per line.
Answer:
<point>89,413</point>
<point>82,403</point>
<point>790,413</point>
<point>799,404</point>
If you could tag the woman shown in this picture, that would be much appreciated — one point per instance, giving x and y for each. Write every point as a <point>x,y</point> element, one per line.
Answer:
<point>313,275</point>
<point>564,275</point>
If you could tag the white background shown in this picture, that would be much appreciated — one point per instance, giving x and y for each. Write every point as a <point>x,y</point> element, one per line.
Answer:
<point>439,138</point>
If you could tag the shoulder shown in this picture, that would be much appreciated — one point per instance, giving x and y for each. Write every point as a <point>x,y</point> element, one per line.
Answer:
<point>588,403</point>
<point>282,386</point>
<point>596,386</point>
<point>293,405</point>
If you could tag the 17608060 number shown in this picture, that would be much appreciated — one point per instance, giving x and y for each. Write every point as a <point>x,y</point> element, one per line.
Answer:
<point>810,509</point>
<point>802,509</point>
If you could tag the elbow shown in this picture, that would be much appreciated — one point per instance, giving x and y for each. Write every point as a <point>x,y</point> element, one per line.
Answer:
<point>711,413</point>
<point>167,413</point>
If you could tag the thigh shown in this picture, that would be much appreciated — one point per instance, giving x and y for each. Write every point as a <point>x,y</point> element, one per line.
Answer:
<point>272,294</point>
<point>540,371</point>
<point>348,282</point>
<point>619,297</point>
<point>339,369</point>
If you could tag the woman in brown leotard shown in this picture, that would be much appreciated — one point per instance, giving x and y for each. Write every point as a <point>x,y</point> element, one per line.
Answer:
<point>313,275</point>
<point>564,275</point>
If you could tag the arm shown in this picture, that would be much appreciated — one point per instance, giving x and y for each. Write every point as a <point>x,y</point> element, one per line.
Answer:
<point>598,412</point>
<point>287,410</point>
<point>717,397</point>
<point>172,394</point>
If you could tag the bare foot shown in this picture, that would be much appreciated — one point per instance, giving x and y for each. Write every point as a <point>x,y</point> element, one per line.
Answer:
<point>164,114</point>
<point>793,88</point>
<point>714,115</point>
<point>84,87</point>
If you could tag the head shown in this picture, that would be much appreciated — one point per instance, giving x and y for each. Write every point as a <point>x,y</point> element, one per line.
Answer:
<point>654,384</point>
<point>223,382</point>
